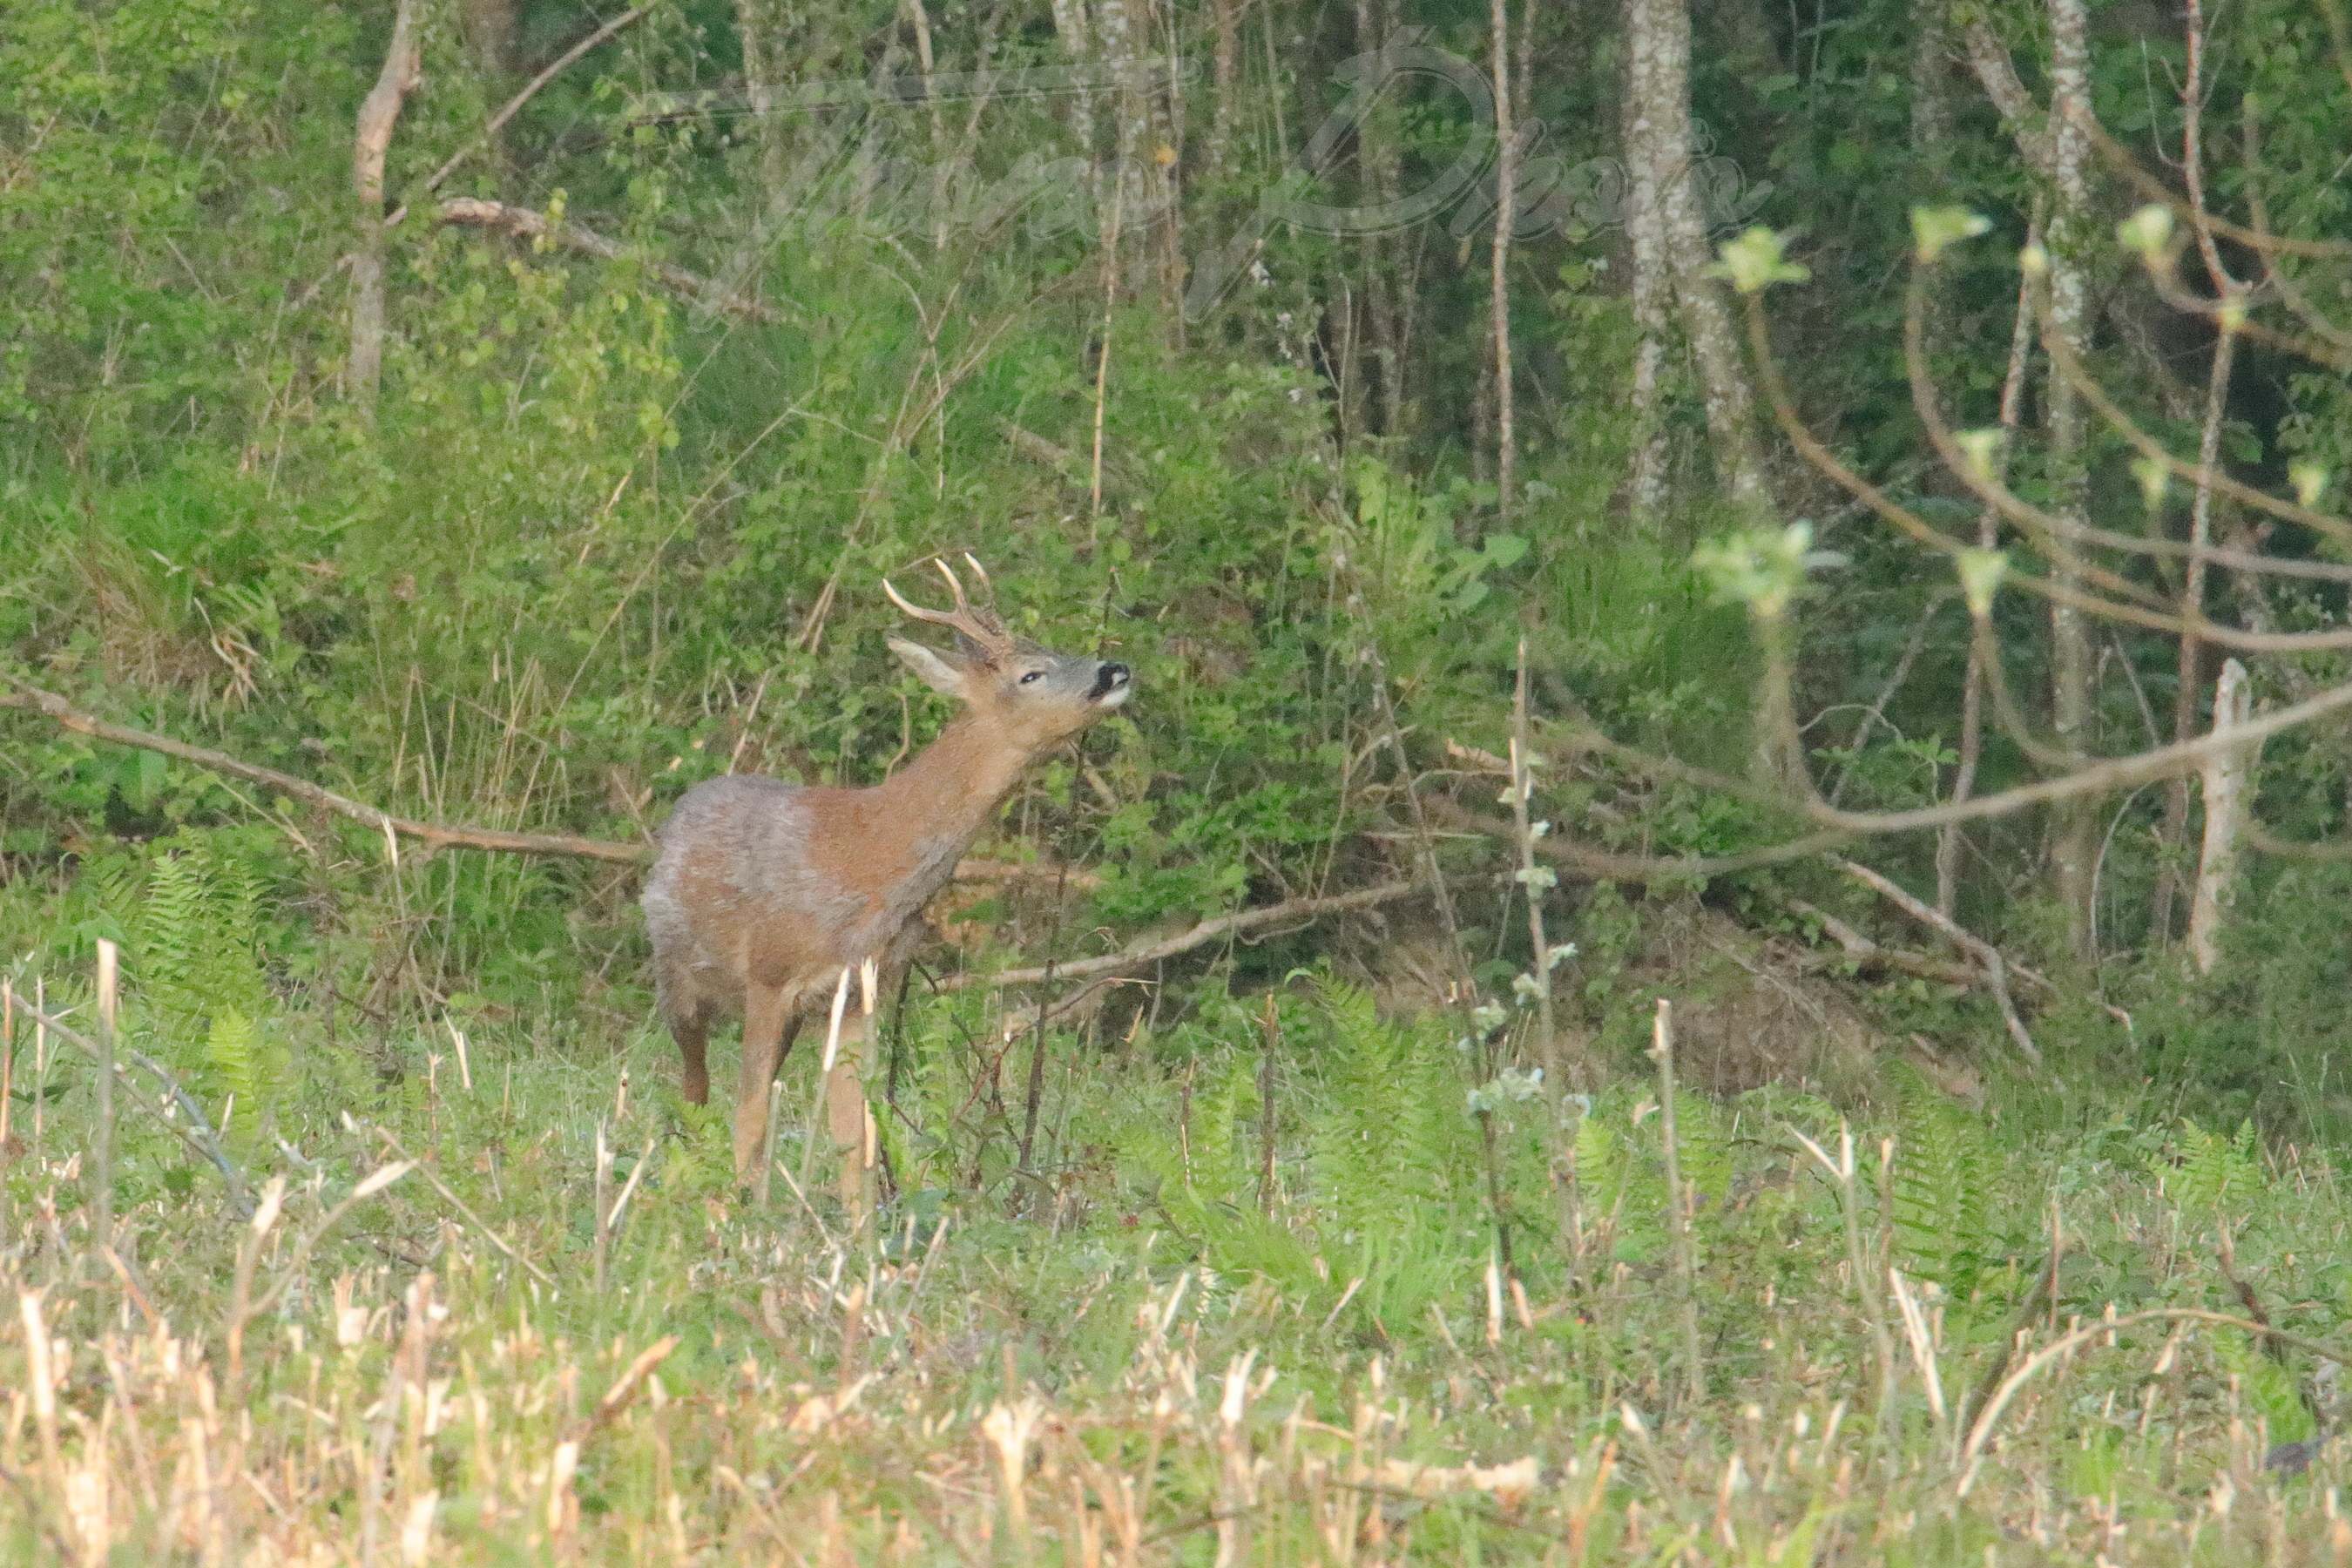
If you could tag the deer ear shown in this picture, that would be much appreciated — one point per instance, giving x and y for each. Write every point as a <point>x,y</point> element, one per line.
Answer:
<point>937,672</point>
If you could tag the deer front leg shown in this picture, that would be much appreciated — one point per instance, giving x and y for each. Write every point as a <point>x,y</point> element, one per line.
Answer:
<point>767,1035</point>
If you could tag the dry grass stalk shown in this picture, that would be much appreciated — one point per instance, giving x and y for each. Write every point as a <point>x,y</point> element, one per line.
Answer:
<point>1662,1049</point>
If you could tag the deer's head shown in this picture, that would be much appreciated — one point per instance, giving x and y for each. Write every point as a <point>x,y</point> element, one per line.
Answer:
<point>1029,696</point>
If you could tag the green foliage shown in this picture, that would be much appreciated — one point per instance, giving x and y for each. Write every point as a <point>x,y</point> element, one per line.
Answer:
<point>2211,1172</point>
<point>1942,1187</point>
<point>191,912</point>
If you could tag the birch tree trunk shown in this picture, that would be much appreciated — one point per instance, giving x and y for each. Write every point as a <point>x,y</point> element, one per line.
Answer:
<point>1670,240</point>
<point>2075,846</point>
<point>2190,670</point>
<point>1651,290</point>
<point>2225,777</point>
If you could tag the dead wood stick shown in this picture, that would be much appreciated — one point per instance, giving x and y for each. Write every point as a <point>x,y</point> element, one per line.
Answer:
<point>525,223</point>
<point>1995,968</point>
<point>1868,953</point>
<point>194,1131</point>
<point>1239,923</point>
<point>624,1388</point>
<point>437,835</point>
<point>488,1233</point>
<point>379,113</point>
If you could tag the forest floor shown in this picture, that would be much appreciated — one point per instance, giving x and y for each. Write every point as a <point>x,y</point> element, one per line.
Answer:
<point>518,1311</point>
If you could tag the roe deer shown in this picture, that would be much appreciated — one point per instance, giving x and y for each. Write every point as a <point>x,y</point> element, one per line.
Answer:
<point>763,892</point>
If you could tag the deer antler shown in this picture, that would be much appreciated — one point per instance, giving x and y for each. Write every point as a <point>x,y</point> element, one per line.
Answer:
<point>977,623</point>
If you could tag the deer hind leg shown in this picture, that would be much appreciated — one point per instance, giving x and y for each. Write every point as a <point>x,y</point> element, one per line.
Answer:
<point>688,1018</point>
<point>769,1026</point>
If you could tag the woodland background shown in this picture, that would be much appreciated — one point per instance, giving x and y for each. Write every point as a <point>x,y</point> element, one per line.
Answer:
<point>501,413</point>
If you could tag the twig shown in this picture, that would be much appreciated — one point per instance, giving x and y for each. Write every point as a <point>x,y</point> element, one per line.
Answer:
<point>1208,930</point>
<point>624,1388</point>
<point>1841,1171</point>
<point>2045,1290</point>
<point>197,1135</point>
<point>1867,952</point>
<point>1980,640</point>
<point>1522,765</point>
<point>1036,1096</point>
<point>374,1182</point>
<point>435,835</point>
<point>1271,1038</point>
<point>454,1201</point>
<point>7,1056</point>
<point>2226,1255</point>
<point>1972,1450</point>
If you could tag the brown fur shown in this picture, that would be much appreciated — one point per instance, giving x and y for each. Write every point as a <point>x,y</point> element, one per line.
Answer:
<point>763,892</point>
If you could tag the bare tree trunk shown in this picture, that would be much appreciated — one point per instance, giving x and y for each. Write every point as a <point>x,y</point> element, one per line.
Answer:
<point>2192,676</point>
<point>1658,148</point>
<point>1072,25</point>
<point>1506,182</point>
<point>1225,79</point>
<point>404,65</point>
<point>2074,850</point>
<point>1651,290</point>
<point>2225,776</point>
<point>1116,26</point>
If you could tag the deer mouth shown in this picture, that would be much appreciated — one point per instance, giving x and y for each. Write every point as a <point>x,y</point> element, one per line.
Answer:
<point>1113,683</point>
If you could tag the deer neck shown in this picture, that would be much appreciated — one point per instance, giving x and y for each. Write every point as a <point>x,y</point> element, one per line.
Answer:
<point>955,785</point>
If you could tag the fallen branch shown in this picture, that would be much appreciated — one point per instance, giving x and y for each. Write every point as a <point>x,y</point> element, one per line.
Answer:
<point>1222,926</point>
<point>525,223</point>
<point>1868,953</point>
<point>407,1161</point>
<point>196,1131</point>
<point>1995,968</point>
<point>437,835</point>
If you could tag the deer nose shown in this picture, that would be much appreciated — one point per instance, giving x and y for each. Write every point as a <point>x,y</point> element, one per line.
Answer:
<point>1110,676</point>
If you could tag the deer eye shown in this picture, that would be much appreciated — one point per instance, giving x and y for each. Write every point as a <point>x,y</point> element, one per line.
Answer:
<point>1032,675</point>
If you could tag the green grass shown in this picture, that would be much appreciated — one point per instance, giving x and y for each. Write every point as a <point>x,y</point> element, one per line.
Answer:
<point>1132,1352</point>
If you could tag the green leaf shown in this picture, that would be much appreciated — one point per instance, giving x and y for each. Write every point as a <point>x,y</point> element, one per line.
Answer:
<point>1934,230</point>
<point>1755,261</point>
<point>2147,232</point>
<point>1980,574</point>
